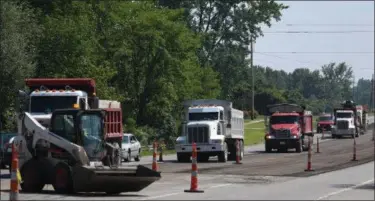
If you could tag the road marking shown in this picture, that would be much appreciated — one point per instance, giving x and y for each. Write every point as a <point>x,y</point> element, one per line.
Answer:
<point>346,189</point>
<point>176,193</point>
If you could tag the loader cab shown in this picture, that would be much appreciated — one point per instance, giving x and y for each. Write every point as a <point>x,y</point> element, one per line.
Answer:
<point>81,127</point>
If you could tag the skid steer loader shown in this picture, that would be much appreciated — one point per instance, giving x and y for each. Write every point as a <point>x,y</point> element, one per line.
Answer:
<point>74,156</point>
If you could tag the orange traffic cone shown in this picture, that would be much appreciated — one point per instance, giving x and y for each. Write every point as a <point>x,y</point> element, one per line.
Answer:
<point>13,196</point>
<point>194,172</point>
<point>354,150</point>
<point>238,152</point>
<point>154,163</point>
<point>309,155</point>
<point>317,145</point>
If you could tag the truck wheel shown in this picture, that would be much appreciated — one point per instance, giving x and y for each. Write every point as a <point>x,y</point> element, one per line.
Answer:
<point>268,147</point>
<point>63,181</point>
<point>223,156</point>
<point>203,157</point>
<point>181,157</point>
<point>138,157</point>
<point>242,150</point>
<point>32,177</point>
<point>299,147</point>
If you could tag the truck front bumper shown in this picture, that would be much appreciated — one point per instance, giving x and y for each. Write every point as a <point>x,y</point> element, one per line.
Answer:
<point>201,148</point>
<point>282,143</point>
<point>343,132</point>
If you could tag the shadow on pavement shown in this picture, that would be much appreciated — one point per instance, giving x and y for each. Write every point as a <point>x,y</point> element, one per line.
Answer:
<point>52,192</point>
<point>370,186</point>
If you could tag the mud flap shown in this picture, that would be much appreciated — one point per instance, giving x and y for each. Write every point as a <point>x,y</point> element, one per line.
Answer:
<point>105,179</point>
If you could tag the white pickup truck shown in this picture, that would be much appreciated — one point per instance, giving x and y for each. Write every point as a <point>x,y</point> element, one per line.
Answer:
<point>214,125</point>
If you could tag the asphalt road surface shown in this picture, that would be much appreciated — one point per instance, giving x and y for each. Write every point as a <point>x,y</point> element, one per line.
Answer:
<point>262,176</point>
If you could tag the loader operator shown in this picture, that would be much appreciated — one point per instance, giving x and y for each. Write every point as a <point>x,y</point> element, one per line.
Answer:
<point>91,130</point>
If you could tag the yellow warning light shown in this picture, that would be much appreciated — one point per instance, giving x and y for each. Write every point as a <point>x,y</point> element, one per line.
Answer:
<point>75,106</point>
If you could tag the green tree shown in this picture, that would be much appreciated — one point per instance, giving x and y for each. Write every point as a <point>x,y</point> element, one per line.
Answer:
<point>18,34</point>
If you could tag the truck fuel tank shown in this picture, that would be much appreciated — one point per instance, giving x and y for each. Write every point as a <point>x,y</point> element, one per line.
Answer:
<point>112,180</point>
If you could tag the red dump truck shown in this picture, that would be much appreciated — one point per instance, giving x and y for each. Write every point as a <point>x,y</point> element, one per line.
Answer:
<point>287,125</point>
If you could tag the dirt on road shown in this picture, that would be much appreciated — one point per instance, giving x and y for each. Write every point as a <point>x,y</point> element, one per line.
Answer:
<point>334,154</point>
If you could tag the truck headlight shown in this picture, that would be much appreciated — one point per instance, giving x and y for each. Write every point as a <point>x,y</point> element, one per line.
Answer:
<point>180,141</point>
<point>216,141</point>
<point>270,136</point>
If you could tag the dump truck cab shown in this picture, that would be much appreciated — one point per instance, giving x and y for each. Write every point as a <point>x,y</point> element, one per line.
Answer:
<point>324,122</point>
<point>49,94</point>
<point>287,125</point>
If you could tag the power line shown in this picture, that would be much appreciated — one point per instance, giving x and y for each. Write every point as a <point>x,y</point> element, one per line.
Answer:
<point>299,61</point>
<point>330,25</point>
<point>320,32</point>
<point>316,52</point>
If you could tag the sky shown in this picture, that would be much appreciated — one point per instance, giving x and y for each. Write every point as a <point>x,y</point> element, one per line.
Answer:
<point>320,16</point>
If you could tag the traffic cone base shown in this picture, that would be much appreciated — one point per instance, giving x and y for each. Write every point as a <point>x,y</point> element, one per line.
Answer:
<point>193,191</point>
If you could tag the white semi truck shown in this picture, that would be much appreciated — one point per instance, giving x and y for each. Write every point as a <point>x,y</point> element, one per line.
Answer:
<point>215,126</point>
<point>346,121</point>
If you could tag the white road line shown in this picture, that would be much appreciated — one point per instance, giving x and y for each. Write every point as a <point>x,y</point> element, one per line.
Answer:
<point>346,189</point>
<point>182,192</point>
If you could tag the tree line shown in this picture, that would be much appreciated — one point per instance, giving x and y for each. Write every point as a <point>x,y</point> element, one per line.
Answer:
<point>152,55</point>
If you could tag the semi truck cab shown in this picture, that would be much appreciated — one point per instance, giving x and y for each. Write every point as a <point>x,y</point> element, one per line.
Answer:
<point>203,127</point>
<point>215,126</point>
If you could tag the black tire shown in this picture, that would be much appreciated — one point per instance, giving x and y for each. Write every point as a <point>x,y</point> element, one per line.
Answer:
<point>223,156</point>
<point>203,157</point>
<point>181,157</point>
<point>63,180</point>
<point>32,177</point>
<point>268,147</point>
<point>138,157</point>
<point>242,150</point>
<point>299,147</point>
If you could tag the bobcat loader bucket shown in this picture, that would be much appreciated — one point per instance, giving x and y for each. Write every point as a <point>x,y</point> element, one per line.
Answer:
<point>112,180</point>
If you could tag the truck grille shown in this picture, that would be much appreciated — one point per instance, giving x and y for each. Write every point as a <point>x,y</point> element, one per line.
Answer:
<point>283,133</point>
<point>342,124</point>
<point>198,134</point>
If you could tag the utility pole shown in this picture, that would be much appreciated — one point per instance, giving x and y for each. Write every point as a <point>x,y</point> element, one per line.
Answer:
<point>353,88</point>
<point>252,77</point>
<point>372,94</point>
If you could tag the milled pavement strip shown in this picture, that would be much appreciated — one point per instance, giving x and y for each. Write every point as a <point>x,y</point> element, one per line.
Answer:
<point>346,189</point>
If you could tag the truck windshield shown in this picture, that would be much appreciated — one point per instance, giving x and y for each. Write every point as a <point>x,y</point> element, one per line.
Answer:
<point>325,118</point>
<point>47,104</point>
<point>344,115</point>
<point>284,119</point>
<point>203,116</point>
